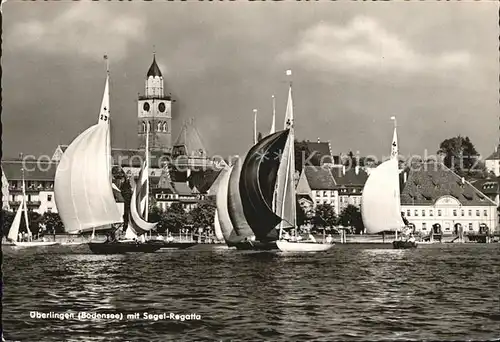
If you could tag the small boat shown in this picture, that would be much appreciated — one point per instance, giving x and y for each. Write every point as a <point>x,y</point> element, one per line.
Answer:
<point>122,247</point>
<point>83,187</point>
<point>401,244</point>
<point>13,235</point>
<point>380,201</point>
<point>284,196</point>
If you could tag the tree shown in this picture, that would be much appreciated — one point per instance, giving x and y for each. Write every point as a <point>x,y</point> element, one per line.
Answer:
<point>325,216</point>
<point>350,160</point>
<point>203,215</point>
<point>174,219</point>
<point>459,154</point>
<point>301,215</point>
<point>52,222</point>
<point>126,191</point>
<point>7,218</point>
<point>351,216</point>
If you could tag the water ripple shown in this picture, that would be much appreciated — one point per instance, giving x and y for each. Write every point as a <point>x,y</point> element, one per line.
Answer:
<point>446,293</point>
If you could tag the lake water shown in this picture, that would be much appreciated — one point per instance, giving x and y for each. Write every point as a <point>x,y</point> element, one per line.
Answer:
<point>447,292</point>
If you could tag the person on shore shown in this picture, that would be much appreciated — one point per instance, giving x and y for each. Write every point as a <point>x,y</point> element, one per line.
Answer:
<point>329,238</point>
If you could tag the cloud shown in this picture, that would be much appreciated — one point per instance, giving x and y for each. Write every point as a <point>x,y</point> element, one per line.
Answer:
<point>86,28</point>
<point>365,46</point>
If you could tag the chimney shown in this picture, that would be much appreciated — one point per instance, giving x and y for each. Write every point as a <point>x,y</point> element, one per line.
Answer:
<point>343,169</point>
<point>405,176</point>
<point>463,180</point>
<point>357,169</point>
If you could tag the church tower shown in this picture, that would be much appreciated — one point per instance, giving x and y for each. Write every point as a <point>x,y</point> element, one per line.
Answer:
<point>154,112</point>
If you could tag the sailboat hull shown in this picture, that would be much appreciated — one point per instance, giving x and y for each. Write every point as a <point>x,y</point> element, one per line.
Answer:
<point>399,244</point>
<point>286,246</point>
<point>34,244</point>
<point>254,246</point>
<point>122,247</point>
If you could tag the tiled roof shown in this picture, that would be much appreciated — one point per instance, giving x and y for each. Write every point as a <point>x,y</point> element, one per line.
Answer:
<point>319,178</point>
<point>488,186</point>
<point>351,177</point>
<point>322,152</point>
<point>154,70</point>
<point>189,142</point>
<point>182,188</point>
<point>42,171</point>
<point>495,155</point>
<point>203,180</point>
<point>133,157</point>
<point>428,182</point>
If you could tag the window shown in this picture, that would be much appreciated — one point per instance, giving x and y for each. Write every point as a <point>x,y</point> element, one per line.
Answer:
<point>470,226</point>
<point>149,126</point>
<point>49,198</point>
<point>439,212</point>
<point>158,127</point>
<point>408,212</point>
<point>143,126</point>
<point>477,212</point>
<point>454,212</point>
<point>423,212</point>
<point>463,212</point>
<point>485,213</point>
<point>416,212</point>
<point>431,212</point>
<point>164,127</point>
<point>424,226</point>
<point>49,209</point>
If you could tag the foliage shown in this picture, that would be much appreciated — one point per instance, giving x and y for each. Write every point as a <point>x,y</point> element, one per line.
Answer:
<point>126,191</point>
<point>52,222</point>
<point>325,216</point>
<point>460,155</point>
<point>350,160</point>
<point>203,215</point>
<point>174,219</point>
<point>301,215</point>
<point>7,218</point>
<point>351,216</point>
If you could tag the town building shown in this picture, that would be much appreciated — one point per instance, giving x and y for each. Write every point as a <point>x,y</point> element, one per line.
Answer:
<point>349,186</point>
<point>432,193</point>
<point>316,186</point>
<point>492,163</point>
<point>190,171</point>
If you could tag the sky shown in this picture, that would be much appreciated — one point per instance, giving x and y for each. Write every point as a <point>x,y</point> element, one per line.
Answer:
<point>433,65</point>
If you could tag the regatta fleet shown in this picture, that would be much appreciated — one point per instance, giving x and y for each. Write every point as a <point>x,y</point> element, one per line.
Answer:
<point>256,197</point>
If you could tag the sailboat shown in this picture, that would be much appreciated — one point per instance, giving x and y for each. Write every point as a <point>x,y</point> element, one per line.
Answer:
<point>13,235</point>
<point>83,184</point>
<point>380,202</point>
<point>284,197</point>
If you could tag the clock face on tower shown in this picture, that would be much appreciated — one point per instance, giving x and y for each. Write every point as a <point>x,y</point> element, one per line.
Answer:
<point>161,107</point>
<point>146,106</point>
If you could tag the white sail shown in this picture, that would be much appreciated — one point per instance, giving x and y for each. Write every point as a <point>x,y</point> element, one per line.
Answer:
<point>25,208</point>
<point>138,207</point>
<point>273,123</point>
<point>380,203</point>
<point>222,201</point>
<point>217,228</point>
<point>83,191</point>
<point>284,196</point>
<point>14,228</point>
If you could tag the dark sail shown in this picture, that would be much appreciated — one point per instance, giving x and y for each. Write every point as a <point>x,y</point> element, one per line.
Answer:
<point>257,183</point>
<point>235,205</point>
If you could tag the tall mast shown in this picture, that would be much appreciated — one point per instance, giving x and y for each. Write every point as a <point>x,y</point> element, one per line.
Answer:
<point>273,125</point>
<point>146,169</point>
<point>255,126</point>
<point>23,203</point>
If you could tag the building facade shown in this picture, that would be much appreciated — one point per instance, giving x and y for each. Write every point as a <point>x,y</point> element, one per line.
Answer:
<point>154,110</point>
<point>432,193</point>
<point>349,189</point>
<point>492,163</point>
